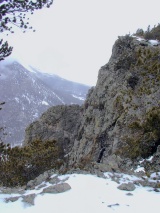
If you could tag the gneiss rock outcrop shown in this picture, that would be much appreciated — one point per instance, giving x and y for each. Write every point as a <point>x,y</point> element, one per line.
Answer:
<point>119,122</point>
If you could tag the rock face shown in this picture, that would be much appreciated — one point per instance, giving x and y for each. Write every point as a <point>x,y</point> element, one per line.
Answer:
<point>59,123</point>
<point>120,118</point>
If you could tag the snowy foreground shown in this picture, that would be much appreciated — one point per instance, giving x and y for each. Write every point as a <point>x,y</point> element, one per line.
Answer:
<point>88,194</point>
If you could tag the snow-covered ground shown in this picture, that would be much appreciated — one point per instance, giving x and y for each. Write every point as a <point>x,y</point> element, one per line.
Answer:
<point>89,194</point>
<point>152,42</point>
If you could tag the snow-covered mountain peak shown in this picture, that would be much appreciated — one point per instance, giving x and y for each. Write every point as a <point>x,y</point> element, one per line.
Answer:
<point>28,93</point>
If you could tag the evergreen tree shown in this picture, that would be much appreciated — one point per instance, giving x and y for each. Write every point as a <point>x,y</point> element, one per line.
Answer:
<point>13,13</point>
<point>18,165</point>
<point>156,32</point>
<point>2,133</point>
<point>150,33</point>
<point>139,32</point>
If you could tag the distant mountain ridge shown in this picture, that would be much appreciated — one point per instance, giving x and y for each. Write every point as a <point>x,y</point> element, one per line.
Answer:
<point>71,92</point>
<point>30,93</point>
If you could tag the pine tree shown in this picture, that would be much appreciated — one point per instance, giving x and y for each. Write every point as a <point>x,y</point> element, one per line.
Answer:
<point>13,13</point>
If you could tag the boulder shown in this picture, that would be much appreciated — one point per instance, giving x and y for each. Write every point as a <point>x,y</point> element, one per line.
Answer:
<point>14,190</point>
<point>29,199</point>
<point>54,180</point>
<point>59,188</point>
<point>129,194</point>
<point>40,179</point>
<point>12,199</point>
<point>127,186</point>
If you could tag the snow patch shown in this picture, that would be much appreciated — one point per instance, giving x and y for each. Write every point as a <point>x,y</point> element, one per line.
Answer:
<point>17,99</point>
<point>59,98</point>
<point>154,175</point>
<point>33,80</point>
<point>26,97</point>
<point>153,42</point>
<point>139,169</point>
<point>88,194</point>
<point>45,103</point>
<point>80,98</point>
<point>35,115</point>
<point>140,39</point>
<point>150,158</point>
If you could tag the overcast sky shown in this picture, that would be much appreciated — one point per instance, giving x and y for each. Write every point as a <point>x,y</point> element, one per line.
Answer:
<point>74,38</point>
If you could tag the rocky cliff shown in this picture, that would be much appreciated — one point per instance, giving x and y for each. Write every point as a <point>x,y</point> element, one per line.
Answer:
<point>60,123</point>
<point>119,122</point>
